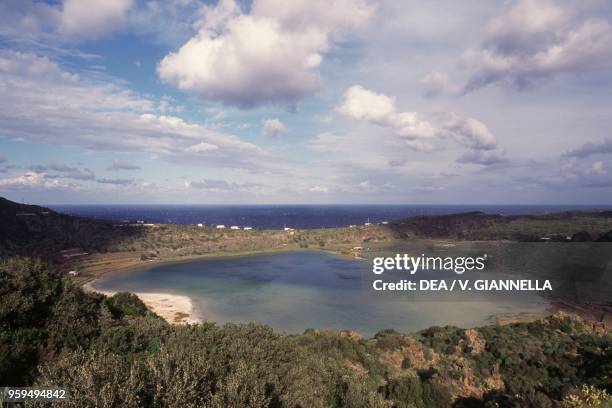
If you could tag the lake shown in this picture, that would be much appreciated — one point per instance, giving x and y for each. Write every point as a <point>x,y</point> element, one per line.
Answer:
<point>293,291</point>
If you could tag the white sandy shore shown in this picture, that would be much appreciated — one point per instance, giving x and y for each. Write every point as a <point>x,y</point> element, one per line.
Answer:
<point>175,309</point>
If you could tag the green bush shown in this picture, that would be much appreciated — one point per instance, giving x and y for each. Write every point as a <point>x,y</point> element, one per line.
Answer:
<point>113,352</point>
<point>126,304</point>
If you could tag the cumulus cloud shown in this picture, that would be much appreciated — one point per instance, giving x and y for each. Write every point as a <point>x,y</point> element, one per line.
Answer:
<point>591,148</point>
<point>269,56</point>
<point>122,165</point>
<point>273,128</point>
<point>536,40</point>
<point>414,129</point>
<point>362,104</point>
<point>80,112</point>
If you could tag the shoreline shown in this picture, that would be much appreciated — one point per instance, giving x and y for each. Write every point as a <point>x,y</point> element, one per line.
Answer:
<point>175,309</point>
<point>138,264</point>
<point>178,309</point>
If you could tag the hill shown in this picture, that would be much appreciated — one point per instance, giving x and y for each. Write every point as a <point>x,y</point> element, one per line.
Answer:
<point>477,226</point>
<point>34,230</point>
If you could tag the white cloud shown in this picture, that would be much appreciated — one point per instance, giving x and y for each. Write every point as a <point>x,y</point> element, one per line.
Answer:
<point>270,55</point>
<point>92,19</point>
<point>42,25</point>
<point>273,127</point>
<point>363,104</point>
<point>365,185</point>
<point>414,129</point>
<point>202,147</point>
<point>318,189</point>
<point>41,101</point>
<point>33,180</point>
<point>536,40</point>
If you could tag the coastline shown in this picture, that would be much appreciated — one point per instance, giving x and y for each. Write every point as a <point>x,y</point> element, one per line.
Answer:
<point>175,309</point>
<point>89,275</point>
<point>178,309</point>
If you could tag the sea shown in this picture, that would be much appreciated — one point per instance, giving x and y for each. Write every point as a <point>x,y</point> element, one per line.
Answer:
<point>294,216</point>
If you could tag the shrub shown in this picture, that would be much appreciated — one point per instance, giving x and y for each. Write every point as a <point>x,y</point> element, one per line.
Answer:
<point>405,392</point>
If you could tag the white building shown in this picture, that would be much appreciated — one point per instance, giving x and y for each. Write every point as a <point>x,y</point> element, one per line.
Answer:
<point>288,229</point>
<point>235,227</point>
<point>200,225</point>
<point>247,228</point>
<point>220,226</point>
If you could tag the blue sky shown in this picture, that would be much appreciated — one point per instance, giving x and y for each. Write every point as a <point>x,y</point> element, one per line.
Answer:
<point>306,101</point>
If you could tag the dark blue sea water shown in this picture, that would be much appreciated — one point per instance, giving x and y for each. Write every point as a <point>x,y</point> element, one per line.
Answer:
<point>296,216</point>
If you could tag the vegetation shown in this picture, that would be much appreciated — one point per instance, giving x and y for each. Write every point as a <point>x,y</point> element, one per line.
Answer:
<point>573,226</point>
<point>114,352</point>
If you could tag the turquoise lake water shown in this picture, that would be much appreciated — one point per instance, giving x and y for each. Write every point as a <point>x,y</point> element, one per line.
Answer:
<point>293,291</point>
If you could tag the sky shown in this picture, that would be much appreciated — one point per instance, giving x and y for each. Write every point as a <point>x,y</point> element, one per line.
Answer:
<point>306,101</point>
